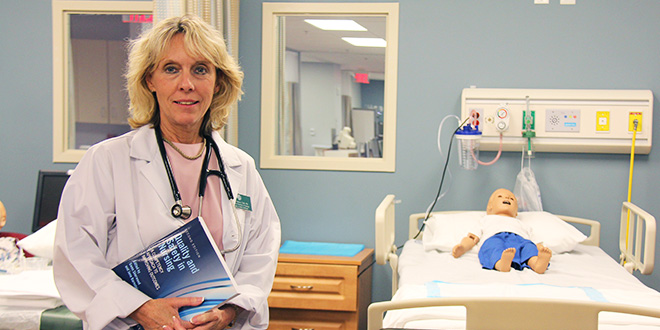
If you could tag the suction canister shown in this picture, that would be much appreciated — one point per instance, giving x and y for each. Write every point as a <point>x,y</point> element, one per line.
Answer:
<point>468,145</point>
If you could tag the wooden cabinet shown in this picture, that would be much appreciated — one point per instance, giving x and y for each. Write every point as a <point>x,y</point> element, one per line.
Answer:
<point>321,292</point>
<point>99,92</point>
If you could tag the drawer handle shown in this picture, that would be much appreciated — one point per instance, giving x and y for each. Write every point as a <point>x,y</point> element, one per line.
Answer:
<point>302,287</point>
<point>302,328</point>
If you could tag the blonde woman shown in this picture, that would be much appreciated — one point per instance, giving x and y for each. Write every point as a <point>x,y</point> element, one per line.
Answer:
<point>131,190</point>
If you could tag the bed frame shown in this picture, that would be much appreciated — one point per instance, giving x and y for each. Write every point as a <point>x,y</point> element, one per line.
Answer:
<point>636,242</point>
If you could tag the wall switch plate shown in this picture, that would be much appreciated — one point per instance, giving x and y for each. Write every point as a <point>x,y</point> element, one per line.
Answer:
<point>567,2</point>
<point>541,2</point>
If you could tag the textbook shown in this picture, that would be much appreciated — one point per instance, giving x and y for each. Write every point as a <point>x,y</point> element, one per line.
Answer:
<point>184,263</point>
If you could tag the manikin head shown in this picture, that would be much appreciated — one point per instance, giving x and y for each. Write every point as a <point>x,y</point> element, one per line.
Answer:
<point>3,215</point>
<point>502,202</point>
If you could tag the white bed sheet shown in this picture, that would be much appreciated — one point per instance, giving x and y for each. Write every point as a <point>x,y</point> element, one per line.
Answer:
<point>24,296</point>
<point>587,273</point>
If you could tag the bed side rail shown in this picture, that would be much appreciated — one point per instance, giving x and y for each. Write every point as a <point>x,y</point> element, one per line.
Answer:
<point>496,313</point>
<point>385,235</point>
<point>594,234</point>
<point>637,239</point>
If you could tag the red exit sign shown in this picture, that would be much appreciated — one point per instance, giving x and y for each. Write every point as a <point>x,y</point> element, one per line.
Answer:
<point>138,18</point>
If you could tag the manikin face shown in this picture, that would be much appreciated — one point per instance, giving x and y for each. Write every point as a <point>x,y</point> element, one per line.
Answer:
<point>3,215</point>
<point>184,87</point>
<point>502,202</point>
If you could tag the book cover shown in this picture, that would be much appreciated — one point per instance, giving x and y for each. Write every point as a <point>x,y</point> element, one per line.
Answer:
<point>184,263</point>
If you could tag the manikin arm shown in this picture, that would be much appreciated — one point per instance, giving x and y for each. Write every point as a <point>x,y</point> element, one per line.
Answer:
<point>467,243</point>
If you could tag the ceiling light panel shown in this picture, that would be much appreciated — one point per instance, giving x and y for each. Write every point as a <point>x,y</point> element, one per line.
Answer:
<point>366,42</point>
<point>336,24</point>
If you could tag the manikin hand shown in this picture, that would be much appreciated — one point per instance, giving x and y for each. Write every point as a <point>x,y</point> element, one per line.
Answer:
<point>457,251</point>
<point>467,243</point>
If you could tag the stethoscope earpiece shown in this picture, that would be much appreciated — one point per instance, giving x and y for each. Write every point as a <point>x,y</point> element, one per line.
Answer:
<point>179,211</point>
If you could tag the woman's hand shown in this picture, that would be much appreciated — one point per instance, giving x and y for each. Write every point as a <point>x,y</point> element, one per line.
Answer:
<point>162,313</point>
<point>214,319</point>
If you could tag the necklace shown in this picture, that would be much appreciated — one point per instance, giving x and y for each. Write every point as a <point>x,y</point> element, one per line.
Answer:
<point>199,154</point>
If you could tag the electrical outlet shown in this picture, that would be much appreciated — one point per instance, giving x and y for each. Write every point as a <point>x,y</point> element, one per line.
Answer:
<point>602,121</point>
<point>476,117</point>
<point>631,121</point>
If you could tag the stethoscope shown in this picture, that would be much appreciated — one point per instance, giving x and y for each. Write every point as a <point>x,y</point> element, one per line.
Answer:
<point>181,211</point>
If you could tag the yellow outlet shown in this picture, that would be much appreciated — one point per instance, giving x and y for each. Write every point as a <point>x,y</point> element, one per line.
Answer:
<point>631,121</point>
<point>602,121</point>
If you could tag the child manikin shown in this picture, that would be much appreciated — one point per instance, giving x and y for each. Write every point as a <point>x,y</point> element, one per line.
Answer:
<point>506,243</point>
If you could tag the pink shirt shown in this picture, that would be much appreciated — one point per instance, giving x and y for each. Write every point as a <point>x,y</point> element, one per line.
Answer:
<point>187,174</point>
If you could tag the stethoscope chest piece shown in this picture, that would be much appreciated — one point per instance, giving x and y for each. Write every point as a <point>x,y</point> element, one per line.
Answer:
<point>180,211</point>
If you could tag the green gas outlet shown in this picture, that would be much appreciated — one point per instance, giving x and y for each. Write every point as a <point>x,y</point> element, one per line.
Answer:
<point>532,124</point>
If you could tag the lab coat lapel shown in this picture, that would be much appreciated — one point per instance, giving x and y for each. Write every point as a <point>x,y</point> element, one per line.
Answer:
<point>232,163</point>
<point>235,175</point>
<point>144,147</point>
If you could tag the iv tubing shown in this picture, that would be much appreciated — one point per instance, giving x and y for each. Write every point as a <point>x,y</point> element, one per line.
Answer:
<point>497,157</point>
<point>444,171</point>
<point>458,120</point>
<point>522,160</point>
<point>441,195</point>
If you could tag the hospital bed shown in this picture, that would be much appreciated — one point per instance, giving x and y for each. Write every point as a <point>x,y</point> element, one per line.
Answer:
<point>583,287</point>
<point>29,299</point>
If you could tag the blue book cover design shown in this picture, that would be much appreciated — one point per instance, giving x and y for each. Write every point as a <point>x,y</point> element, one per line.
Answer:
<point>184,263</point>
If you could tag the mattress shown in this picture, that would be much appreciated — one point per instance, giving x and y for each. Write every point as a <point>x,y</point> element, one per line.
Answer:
<point>586,273</point>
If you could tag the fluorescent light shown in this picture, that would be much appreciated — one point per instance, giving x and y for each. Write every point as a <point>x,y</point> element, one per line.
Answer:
<point>336,24</point>
<point>366,42</point>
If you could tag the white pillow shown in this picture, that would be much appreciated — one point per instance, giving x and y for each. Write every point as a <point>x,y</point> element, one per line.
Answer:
<point>40,243</point>
<point>444,231</point>
<point>552,231</point>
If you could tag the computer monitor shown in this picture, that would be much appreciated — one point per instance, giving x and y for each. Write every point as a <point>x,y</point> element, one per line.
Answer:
<point>49,191</point>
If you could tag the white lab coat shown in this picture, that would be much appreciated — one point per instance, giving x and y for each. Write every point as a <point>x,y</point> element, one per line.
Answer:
<point>118,201</point>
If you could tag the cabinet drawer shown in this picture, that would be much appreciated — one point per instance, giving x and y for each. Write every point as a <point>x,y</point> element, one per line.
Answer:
<point>311,325</point>
<point>291,319</point>
<point>315,286</point>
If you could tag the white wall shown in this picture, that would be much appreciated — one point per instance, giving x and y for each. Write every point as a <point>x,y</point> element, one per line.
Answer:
<point>320,89</point>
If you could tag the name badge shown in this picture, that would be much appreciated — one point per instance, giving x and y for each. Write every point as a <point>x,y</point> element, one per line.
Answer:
<point>243,202</point>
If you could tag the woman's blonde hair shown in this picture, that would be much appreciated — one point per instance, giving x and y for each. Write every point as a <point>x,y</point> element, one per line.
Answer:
<point>200,39</point>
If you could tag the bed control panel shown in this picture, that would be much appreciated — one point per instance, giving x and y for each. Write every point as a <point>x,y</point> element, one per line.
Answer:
<point>562,120</point>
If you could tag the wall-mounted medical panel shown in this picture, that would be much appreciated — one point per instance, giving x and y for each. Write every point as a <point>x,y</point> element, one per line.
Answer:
<point>561,120</point>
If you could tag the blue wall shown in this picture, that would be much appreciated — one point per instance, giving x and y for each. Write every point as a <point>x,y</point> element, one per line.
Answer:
<point>448,45</point>
<point>596,44</point>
